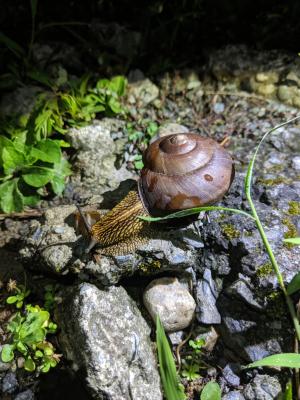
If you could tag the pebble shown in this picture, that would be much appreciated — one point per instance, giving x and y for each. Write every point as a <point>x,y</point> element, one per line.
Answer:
<point>168,298</point>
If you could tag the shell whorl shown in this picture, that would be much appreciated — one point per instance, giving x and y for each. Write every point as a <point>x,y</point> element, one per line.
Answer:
<point>184,171</point>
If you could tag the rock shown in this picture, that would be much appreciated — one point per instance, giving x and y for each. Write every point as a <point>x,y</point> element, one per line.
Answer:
<point>296,163</point>
<point>263,387</point>
<point>51,245</point>
<point>95,171</point>
<point>233,395</point>
<point>171,300</point>
<point>206,295</point>
<point>107,326</point>
<point>242,290</point>
<point>142,92</point>
<point>9,383</point>
<point>20,101</point>
<point>230,373</point>
<point>26,395</point>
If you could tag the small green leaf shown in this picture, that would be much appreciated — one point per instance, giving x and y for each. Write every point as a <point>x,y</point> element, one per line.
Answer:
<point>39,354</point>
<point>29,364</point>
<point>22,348</point>
<point>288,360</point>
<point>47,150</point>
<point>211,391</point>
<point>138,164</point>
<point>46,367</point>
<point>37,176</point>
<point>7,353</point>
<point>11,299</point>
<point>10,197</point>
<point>294,285</point>
<point>293,240</point>
<point>117,85</point>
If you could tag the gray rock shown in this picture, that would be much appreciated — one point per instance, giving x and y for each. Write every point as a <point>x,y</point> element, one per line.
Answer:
<point>142,92</point>
<point>9,383</point>
<point>230,372</point>
<point>296,163</point>
<point>94,166</point>
<point>242,290</point>
<point>115,349</point>
<point>234,395</point>
<point>26,395</point>
<point>171,300</point>
<point>263,387</point>
<point>20,101</point>
<point>206,295</point>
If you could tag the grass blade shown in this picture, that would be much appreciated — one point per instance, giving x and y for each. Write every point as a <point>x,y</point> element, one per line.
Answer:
<point>195,210</point>
<point>167,367</point>
<point>288,360</point>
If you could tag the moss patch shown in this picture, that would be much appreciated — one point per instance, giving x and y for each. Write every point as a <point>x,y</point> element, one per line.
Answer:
<point>294,208</point>
<point>291,233</point>
<point>149,267</point>
<point>264,270</point>
<point>274,181</point>
<point>230,231</point>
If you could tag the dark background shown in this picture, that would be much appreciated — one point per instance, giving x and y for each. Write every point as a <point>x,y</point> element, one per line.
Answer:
<point>154,35</point>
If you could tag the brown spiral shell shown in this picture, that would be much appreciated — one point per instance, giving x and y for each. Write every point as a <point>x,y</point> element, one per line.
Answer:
<point>184,171</point>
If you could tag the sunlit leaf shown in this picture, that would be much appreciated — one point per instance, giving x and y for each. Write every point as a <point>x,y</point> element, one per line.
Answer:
<point>211,391</point>
<point>289,360</point>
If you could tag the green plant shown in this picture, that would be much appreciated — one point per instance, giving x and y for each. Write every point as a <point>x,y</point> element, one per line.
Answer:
<point>29,159</point>
<point>211,391</point>
<point>19,297</point>
<point>192,362</point>
<point>28,333</point>
<point>49,296</point>
<point>171,384</point>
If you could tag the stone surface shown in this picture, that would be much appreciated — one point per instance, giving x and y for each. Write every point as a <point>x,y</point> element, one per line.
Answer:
<point>142,92</point>
<point>26,395</point>
<point>233,395</point>
<point>171,300</point>
<point>94,166</point>
<point>263,387</point>
<point>230,373</point>
<point>9,383</point>
<point>115,350</point>
<point>206,297</point>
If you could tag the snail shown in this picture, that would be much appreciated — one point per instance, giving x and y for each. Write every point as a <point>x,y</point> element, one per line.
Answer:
<point>180,171</point>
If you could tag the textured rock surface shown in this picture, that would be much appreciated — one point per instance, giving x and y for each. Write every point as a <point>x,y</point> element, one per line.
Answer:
<point>263,387</point>
<point>171,300</point>
<point>95,170</point>
<point>206,295</point>
<point>272,74</point>
<point>108,340</point>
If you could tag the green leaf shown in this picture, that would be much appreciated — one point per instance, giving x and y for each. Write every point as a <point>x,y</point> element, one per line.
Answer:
<point>294,285</point>
<point>29,364</point>
<point>46,367</point>
<point>32,330</point>
<point>13,159</point>
<point>114,105</point>
<point>38,176</point>
<point>11,299</point>
<point>12,45</point>
<point>118,85</point>
<point>47,150</point>
<point>22,348</point>
<point>10,197</point>
<point>60,171</point>
<point>211,391</point>
<point>288,392</point>
<point>295,240</point>
<point>168,374</point>
<point>196,210</point>
<point>7,353</point>
<point>138,164</point>
<point>288,360</point>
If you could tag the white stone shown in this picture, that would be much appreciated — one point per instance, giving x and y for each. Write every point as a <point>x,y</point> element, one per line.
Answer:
<point>172,301</point>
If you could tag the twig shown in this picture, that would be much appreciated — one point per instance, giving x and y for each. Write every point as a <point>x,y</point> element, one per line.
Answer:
<point>24,214</point>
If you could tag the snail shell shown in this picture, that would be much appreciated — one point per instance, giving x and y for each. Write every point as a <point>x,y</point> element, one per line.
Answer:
<point>184,171</point>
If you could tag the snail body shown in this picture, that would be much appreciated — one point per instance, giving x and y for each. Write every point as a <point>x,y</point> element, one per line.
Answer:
<point>180,171</point>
